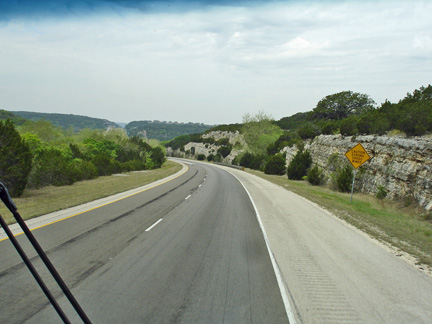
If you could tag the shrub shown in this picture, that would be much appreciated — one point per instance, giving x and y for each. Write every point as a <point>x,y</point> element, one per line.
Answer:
<point>299,165</point>
<point>222,142</point>
<point>132,165</point>
<point>308,131</point>
<point>210,157</point>
<point>51,167</point>
<point>201,157</point>
<point>224,150</point>
<point>348,127</point>
<point>330,127</point>
<point>246,159</point>
<point>217,158</point>
<point>315,176</point>
<point>83,170</point>
<point>276,164</point>
<point>158,157</point>
<point>382,192</point>
<point>344,179</point>
<point>258,162</point>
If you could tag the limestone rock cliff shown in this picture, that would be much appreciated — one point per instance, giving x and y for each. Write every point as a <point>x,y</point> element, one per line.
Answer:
<point>403,166</point>
<point>193,149</point>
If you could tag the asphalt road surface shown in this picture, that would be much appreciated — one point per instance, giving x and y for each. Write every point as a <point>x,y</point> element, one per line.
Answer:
<point>332,272</point>
<point>187,251</point>
<point>193,250</point>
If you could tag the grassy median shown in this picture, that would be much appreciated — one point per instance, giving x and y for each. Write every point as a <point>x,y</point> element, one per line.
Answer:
<point>405,227</point>
<point>49,199</point>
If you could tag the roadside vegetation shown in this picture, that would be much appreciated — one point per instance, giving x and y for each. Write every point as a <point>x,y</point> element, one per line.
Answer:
<point>36,154</point>
<point>36,202</point>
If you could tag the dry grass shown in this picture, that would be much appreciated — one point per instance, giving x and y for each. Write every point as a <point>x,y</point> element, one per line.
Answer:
<point>49,199</point>
<point>406,228</point>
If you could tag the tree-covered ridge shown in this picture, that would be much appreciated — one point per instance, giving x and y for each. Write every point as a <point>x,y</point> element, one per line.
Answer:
<point>5,115</point>
<point>351,113</point>
<point>163,131</point>
<point>347,113</point>
<point>66,121</point>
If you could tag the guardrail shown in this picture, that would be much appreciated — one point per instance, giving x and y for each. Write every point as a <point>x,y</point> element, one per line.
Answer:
<point>231,165</point>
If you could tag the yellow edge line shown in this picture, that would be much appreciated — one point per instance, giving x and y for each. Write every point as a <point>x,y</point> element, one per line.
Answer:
<point>111,202</point>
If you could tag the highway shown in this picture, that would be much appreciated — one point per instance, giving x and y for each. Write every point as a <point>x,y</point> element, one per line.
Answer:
<point>195,249</point>
<point>188,251</point>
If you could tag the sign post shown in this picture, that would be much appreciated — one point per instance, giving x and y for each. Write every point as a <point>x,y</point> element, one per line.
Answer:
<point>357,156</point>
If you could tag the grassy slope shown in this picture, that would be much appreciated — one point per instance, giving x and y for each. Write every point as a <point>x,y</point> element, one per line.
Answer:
<point>405,228</point>
<point>49,199</point>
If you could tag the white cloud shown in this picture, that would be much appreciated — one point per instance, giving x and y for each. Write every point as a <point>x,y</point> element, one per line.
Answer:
<point>213,66</point>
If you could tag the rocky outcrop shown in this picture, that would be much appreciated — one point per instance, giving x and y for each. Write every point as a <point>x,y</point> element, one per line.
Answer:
<point>403,166</point>
<point>193,149</point>
<point>233,137</point>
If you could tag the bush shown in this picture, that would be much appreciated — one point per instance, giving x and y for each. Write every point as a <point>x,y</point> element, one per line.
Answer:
<point>246,159</point>
<point>106,165</point>
<point>132,165</point>
<point>217,158</point>
<point>84,170</point>
<point>348,127</point>
<point>298,166</point>
<point>222,142</point>
<point>308,131</point>
<point>158,157</point>
<point>330,127</point>
<point>51,167</point>
<point>210,157</point>
<point>315,176</point>
<point>224,150</point>
<point>382,192</point>
<point>276,164</point>
<point>344,179</point>
<point>201,157</point>
<point>258,162</point>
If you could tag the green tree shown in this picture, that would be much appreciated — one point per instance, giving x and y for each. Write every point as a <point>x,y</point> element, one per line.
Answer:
<point>348,126</point>
<point>344,178</point>
<point>45,130</point>
<point>158,157</point>
<point>225,150</point>
<point>342,105</point>
<point>308,130</point>
<point>51,167</point>
<point>315,176</point>
<point>15,159</point>
<point>276,164</point>
<point>299,165</point>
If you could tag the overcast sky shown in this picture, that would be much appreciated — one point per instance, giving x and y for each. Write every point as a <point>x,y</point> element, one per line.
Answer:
<point>208,61</point>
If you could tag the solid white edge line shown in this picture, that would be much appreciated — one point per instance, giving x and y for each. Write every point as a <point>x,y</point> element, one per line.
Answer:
<point>150,228</point>
<point>276,269</point>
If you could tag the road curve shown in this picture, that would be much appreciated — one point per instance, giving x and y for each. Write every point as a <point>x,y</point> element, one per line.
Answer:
<point>332,272</point>
<point>188,251</point>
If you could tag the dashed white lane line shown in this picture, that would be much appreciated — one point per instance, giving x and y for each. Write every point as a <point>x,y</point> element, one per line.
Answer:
<point>187,197</point>
<point>150,228</point>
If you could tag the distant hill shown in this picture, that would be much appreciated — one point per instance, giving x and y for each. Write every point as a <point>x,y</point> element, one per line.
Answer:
<point>163,131</point>
<point>4,114</point>
<point>68,120</point>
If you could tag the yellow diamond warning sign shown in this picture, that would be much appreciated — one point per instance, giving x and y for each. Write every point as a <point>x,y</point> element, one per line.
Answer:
<point>357,156</point>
